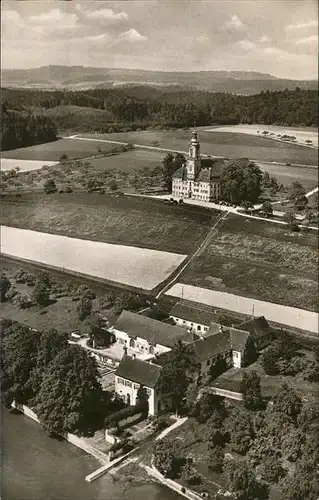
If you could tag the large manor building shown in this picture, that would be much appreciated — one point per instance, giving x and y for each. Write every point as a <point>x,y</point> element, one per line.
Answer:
<point>194,181</point>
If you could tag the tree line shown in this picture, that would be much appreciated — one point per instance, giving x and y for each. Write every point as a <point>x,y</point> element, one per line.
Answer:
<point>20,130</point>
<point>110,110</point>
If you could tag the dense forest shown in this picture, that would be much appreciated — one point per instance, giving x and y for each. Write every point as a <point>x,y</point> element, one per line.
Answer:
<point>126,108</point>
<point>20,130</point>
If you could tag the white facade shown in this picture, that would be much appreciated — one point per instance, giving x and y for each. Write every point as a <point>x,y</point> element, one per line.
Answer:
<point>192,187</point>
<point>238,358</point>
<point>127,390</point>
<point>139,344</point>
<point>196,327</point>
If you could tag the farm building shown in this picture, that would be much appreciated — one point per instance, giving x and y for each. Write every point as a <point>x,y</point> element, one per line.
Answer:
<point>147,335</point>
<point>193,317</point>
<point>132,373</point>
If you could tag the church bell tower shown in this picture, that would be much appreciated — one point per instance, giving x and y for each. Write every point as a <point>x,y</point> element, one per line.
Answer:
<point>193,162</point>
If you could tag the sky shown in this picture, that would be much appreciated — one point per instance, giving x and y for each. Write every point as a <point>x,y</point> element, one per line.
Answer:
<point>268,36</point>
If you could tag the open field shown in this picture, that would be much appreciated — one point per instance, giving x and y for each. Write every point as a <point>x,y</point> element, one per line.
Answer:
<point>302,134</point>
<point>285,174</point>
<point>51,151</point>
<point>139,267</point>
<point>122,220</point>
<point>24,165</point>
<point>289,316</point>
<point>219,144</point>
<point>129,161</point>
<point>261,260</point>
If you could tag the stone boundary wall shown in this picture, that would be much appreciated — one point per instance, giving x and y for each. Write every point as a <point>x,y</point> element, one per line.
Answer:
<point>71,438</point>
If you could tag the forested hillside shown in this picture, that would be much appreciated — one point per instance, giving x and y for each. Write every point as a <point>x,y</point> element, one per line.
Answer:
<point>108,110</point>
<point>20,130</point>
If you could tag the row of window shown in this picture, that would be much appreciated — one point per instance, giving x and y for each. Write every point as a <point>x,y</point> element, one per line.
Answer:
<point>127,383</point>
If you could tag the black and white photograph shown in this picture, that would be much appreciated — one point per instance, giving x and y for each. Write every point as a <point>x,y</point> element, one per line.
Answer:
<point>159,333</point>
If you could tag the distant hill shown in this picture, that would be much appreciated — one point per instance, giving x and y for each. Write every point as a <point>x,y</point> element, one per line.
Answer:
<point>82,78</point>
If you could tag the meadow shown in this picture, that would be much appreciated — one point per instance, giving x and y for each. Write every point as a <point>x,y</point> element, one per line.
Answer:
<point>139,267</point>
<point>129,161</point>
<point>105,218</point>
<point>24,165</point>
<point>51,151</point>
<point>224,144</point>
<point>260,260</point>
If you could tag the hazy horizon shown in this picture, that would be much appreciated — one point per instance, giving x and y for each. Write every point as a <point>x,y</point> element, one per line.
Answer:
<point>276,38</point>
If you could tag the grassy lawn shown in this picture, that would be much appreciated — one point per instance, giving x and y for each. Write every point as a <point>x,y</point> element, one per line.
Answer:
<point>220,144</point>
<point>260,260</point>
<point>122,220</point>
<point>270,384</point>
<point>51,151</point>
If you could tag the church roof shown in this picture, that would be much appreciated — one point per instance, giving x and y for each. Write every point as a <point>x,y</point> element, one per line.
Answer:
<point>181,173</point>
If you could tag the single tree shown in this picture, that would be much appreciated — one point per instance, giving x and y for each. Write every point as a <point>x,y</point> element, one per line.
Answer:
<point>243,483</point>
<point>70,396</point>
<point>269,360</point>
<point>18,360</point>
<point>189,474</point>
<point>177,373</point>
<point>240,428</point>
<point>167,458</point>
<point>272,470</point>
<point>113,185</point>
<point>287,402</point>
<point>171,163</point>
<point>251,390</point>
<point>84,308</point>
<point>50,345</point>
<point>41,294</point>
<point>250,353</point>
<point>297,195</point>
<point>142,398</point>
<point>50,186</point>
<point>5,285</point>
<point>216,458</point>
<point>267,209</point>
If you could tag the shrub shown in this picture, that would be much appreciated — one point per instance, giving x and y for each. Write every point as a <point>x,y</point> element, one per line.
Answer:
<point>126,412</point>
<point>50,186</point>
<point>162,423</point>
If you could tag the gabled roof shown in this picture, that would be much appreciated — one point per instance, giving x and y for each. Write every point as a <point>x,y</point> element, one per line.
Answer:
<point>257,327</point>
<point>215,328</point>
<point>192,313</point>
<point>139,371</point>
<point>152,330</point>
<point>238,339</point>
<point>213,345</point>
<point>181,173</point>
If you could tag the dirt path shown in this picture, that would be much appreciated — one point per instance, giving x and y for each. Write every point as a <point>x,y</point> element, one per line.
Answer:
<point>190,258</point>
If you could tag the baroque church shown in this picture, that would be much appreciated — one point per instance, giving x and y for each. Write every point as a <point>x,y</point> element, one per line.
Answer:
<point>194,181</point>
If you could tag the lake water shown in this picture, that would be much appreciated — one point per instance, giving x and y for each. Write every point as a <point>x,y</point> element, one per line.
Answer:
<point>36,467</point>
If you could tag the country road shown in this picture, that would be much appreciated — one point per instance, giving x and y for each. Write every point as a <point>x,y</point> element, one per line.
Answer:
<point>156,148</point>
<point>189,260</point>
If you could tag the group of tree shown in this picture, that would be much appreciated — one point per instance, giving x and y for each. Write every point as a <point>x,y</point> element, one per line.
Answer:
<point>20,129</point>
<point>285,357</point>
<point>116,109</point>
<point>241,181</point>
<point>57,380</point>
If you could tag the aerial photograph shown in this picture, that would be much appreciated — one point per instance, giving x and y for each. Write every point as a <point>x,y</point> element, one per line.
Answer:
<point>159,330</point>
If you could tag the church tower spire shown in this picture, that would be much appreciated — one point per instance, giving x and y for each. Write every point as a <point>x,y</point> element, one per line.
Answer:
<point>193,161</point>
